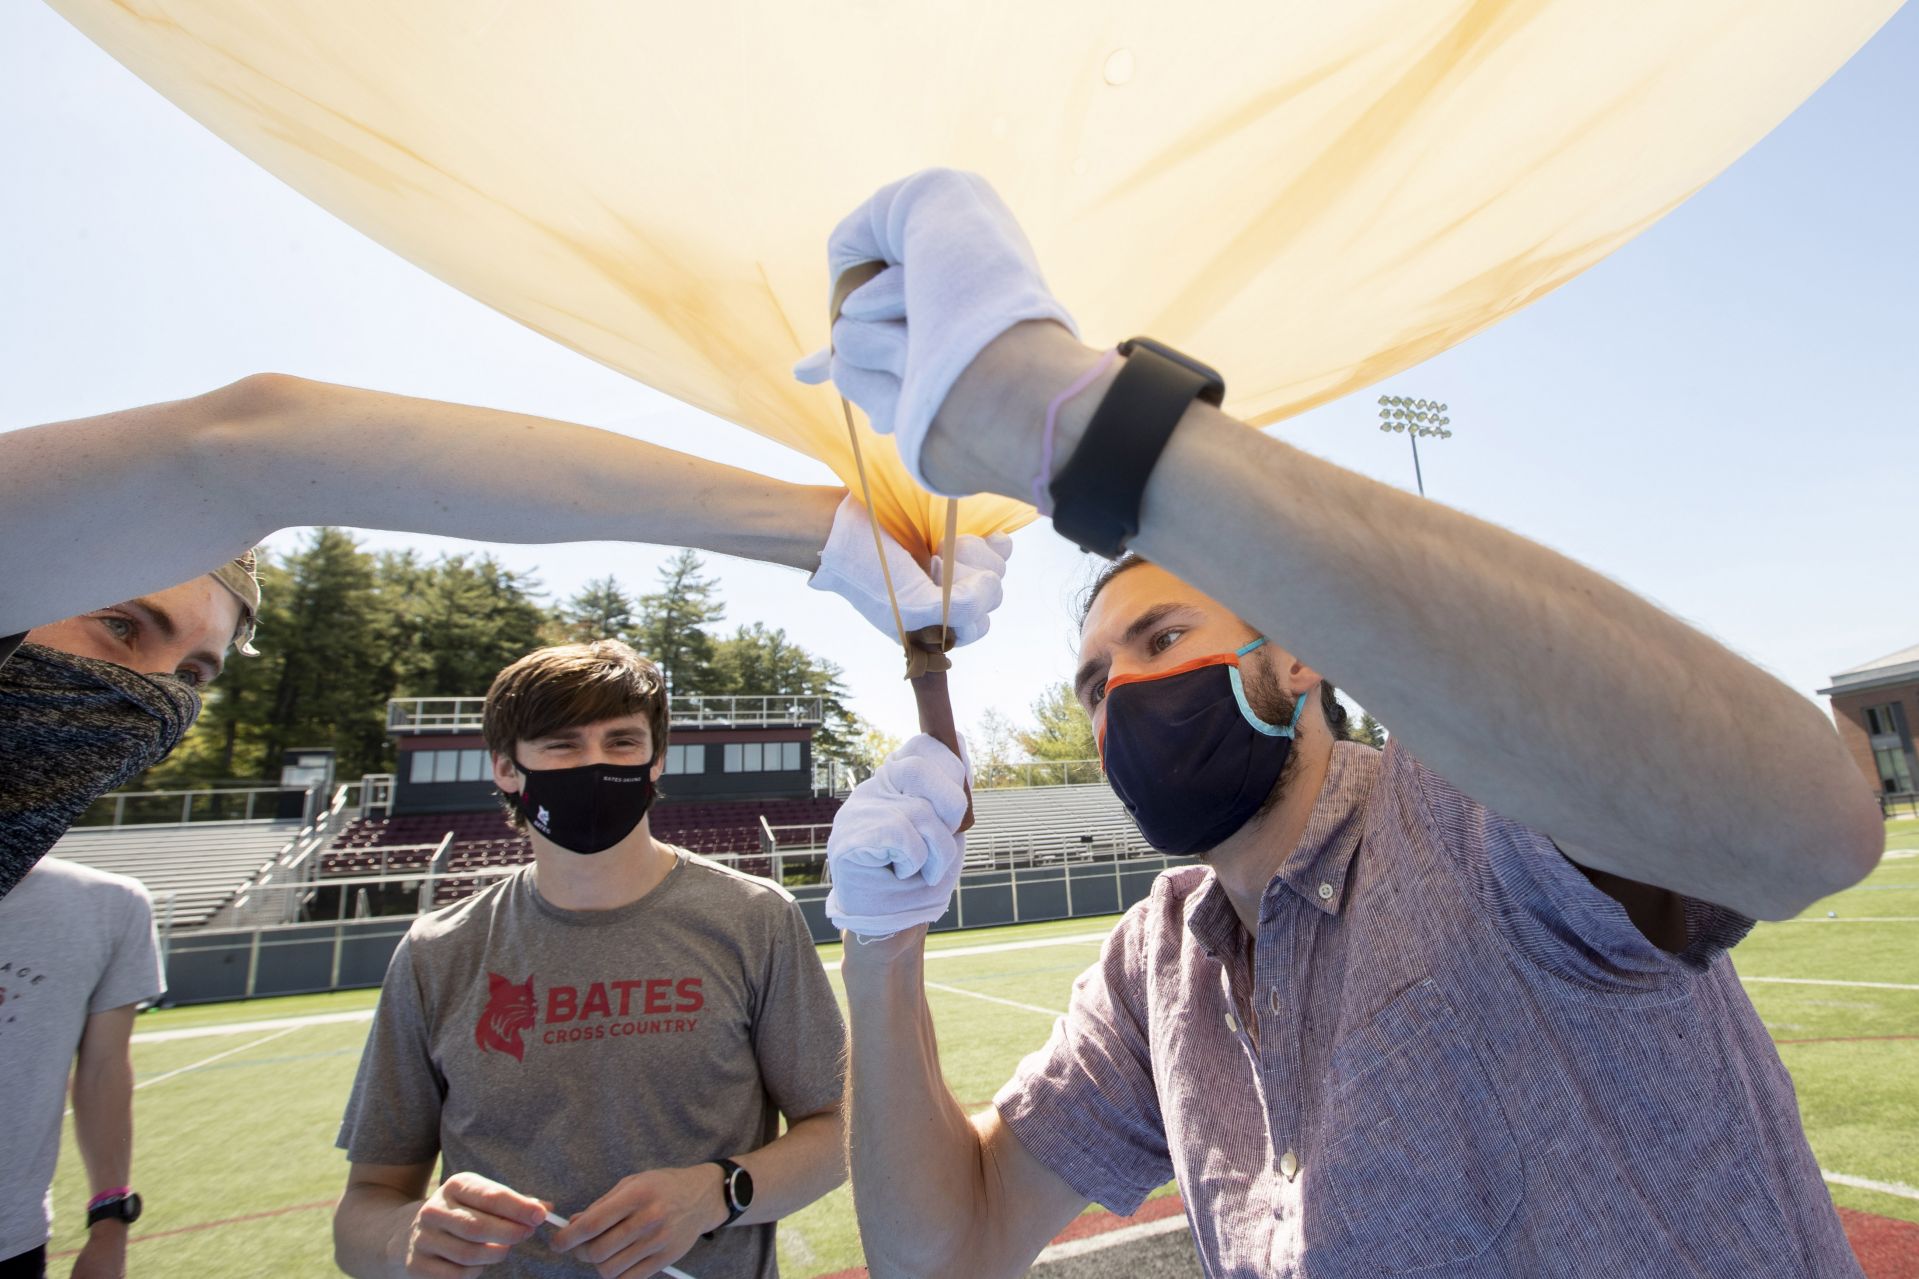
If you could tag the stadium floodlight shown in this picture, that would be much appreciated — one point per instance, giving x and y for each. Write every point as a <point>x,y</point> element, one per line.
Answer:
<point>1416,418</point>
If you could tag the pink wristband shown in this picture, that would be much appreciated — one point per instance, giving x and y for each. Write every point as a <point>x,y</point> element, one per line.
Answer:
<point>117,1192</point>
<point>1042,482</point>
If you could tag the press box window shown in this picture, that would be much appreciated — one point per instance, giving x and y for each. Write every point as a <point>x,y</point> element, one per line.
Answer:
<point>448,766</point>
<point>761,757</point>
<point>686,759</point>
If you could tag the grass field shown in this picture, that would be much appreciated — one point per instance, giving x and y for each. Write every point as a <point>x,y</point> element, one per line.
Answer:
<point>235,1130</point>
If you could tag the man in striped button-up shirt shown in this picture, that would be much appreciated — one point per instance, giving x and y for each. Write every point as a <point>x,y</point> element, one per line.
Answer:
<point>1467,1012</point>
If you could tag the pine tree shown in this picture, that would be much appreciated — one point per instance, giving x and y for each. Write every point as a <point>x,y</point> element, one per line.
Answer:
<point>1368,731</point>
<point>1063,732</point>
<point>673,622</point>
<point>759,661</point>
<point>601,610</point>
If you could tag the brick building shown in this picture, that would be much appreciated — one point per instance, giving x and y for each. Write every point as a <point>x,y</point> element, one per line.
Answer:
<point>1875,706</point>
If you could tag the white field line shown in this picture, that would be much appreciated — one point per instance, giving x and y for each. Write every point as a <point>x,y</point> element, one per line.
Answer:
<point>1899,1188</point>
<point>1814,981</point>
<point>366,1014</point>
<point>204,1061</point>
<point>208,1061</point>
<point>1849,919</point>
<point>1110,1239</point>
<point>994,948</point>
<point>246,1027</point>
<point>995,999</point>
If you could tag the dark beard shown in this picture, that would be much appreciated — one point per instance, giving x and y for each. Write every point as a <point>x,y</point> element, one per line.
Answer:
<point>1270,702</point>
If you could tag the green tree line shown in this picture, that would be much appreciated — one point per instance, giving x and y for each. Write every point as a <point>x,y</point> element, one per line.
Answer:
<point>342,629</point>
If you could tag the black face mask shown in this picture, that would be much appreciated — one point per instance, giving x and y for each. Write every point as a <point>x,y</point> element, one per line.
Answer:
<point>1187,754</point>
<point>587,809</point>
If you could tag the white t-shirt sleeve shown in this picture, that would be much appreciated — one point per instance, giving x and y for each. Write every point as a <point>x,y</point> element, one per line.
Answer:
<point>132,973</point>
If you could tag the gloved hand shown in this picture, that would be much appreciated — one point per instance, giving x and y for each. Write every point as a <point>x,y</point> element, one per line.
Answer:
<point>959,273</point>
<point>850,569</point>
<point>893,857</point>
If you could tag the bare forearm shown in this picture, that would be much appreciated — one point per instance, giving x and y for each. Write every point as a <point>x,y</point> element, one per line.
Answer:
<point>796,1168</point>
<point>153,496</point>
<point>367,1225</point>
<point>916,1160</point>
<point>103,1121</point>
<point>1539,687</point>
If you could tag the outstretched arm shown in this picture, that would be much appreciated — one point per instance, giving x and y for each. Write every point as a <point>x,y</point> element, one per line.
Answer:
<point>1537,686</point>
<point>936,1193</point>
<point>112,507</point>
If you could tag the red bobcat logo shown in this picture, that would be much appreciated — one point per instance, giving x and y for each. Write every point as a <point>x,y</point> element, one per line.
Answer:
<point>508,1012</point>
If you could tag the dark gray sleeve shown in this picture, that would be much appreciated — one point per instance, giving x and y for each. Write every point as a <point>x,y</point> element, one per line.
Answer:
<point>798,1036</point>
<point>393,1113</point>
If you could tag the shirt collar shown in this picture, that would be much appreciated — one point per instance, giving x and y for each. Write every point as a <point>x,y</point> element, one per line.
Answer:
<point>1316,868</point>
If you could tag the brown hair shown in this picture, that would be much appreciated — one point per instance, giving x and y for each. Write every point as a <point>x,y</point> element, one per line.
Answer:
<point>571,685</point>
<point>1329,702</point>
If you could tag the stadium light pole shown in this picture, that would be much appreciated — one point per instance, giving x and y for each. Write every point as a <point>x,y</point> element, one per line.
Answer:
<point>1416,418</point>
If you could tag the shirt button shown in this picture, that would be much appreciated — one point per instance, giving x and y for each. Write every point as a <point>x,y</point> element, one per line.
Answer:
<point>1289,1165</point>
<point>1325,892</point>
<point>1272,998</point>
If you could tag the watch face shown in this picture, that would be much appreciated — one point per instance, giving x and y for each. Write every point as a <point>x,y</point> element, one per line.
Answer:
<point>742,1187</point>
<point>130,1209</point>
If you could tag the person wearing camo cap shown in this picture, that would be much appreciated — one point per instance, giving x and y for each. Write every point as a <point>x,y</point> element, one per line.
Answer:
<point>134,505</point>
<point>89,702</point>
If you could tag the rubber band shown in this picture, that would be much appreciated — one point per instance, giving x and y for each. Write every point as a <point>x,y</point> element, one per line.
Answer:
<point>1042,498</point>
<point>118,1192</point>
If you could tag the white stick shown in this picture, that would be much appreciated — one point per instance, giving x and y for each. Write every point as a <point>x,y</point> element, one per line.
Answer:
<point>671,1272</point>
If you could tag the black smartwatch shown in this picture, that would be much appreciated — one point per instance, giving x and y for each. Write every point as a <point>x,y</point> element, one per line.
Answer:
<point>1096,495</point>
<point>736,1187</point>
<point>124,1208</point>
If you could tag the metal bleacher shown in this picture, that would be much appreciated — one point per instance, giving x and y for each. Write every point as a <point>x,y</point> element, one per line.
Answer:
<point>483,840</point>
<point>191,869</point>
<point>1022,825</point>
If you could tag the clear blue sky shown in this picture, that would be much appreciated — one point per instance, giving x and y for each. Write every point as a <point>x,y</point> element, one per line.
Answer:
<point>1721,416</point>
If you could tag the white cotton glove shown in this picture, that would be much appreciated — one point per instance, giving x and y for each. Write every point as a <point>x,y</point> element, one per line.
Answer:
<point>850,568</point>
<point>893,857</point>
<point>959,273</point>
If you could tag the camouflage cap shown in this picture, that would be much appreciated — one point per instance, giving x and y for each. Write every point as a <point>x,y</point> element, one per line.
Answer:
<point>242,577</point>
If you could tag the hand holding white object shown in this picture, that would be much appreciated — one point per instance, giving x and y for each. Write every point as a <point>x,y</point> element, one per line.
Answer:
<point>850,568</point>
<point>894,856</point>
<point>959,273</point>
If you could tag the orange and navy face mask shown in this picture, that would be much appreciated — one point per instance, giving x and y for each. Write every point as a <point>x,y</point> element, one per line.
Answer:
<point>1187,754</point>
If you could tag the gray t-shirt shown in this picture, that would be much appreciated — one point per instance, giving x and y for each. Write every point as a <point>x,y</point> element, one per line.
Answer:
<point>557,1051</point>
<point>74,941</point>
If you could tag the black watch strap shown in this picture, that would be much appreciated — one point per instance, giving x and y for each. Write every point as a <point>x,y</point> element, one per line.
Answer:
<point>731,1174</point>
<point>1096,496</point>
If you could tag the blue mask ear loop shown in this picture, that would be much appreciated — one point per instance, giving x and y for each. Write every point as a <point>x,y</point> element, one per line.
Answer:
<point>1245,708</point>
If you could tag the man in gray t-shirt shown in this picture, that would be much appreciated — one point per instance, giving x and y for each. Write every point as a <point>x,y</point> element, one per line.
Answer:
<point>610,1034</point>
<point>77,956</point>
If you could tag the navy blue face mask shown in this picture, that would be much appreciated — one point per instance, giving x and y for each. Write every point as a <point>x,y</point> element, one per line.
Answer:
<point>586,809</point>
<point>1187,755</point>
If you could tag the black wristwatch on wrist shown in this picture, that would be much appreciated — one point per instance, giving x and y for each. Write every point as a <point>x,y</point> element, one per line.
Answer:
<point>1096,495</point>
<point>736,1187</point>
<point>124,1208</point>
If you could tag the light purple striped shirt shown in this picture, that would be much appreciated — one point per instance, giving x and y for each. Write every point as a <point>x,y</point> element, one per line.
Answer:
<point>1448,1054</point>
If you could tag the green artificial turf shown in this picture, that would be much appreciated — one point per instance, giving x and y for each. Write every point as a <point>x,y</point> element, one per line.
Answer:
<point>235,1155</point>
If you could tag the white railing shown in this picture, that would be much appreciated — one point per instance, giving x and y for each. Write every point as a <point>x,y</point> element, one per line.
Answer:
<point>1037,772</point>
<point>376,792</point>
<point>291,869</point>
<point>181,807</point>
<point>466,714</point>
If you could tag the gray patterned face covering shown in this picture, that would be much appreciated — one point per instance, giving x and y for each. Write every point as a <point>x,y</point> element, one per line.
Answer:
<point>72,729</point>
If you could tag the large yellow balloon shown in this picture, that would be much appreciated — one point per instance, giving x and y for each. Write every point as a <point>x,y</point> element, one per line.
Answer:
<point>1309,194</point>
